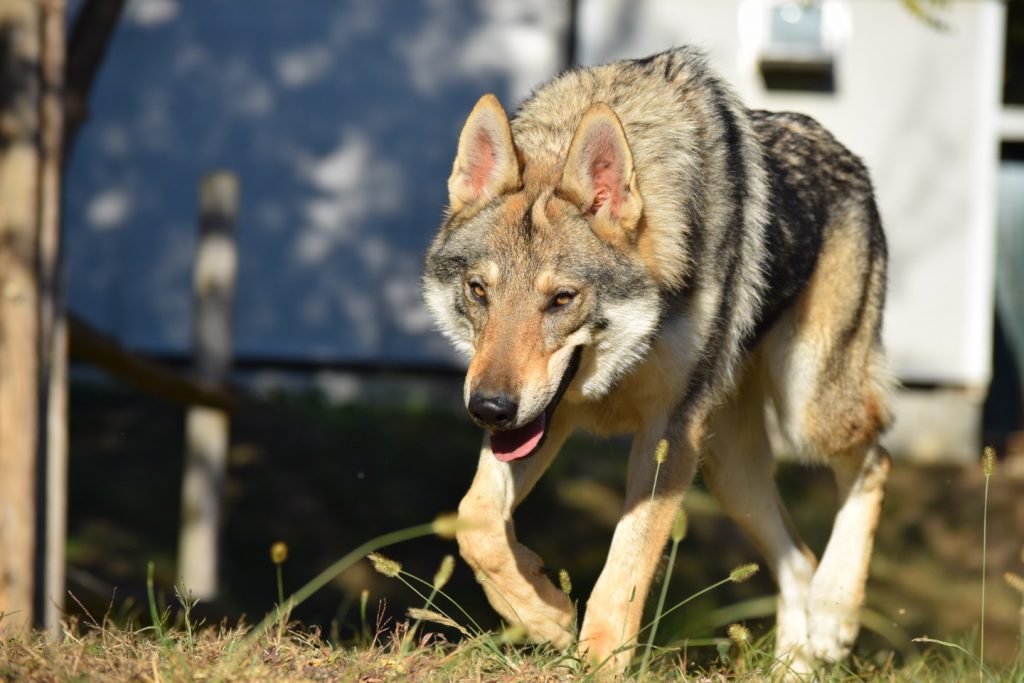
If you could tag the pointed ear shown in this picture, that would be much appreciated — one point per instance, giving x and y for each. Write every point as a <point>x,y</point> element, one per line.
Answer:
<point>598,176</point>
<point>486,165</point>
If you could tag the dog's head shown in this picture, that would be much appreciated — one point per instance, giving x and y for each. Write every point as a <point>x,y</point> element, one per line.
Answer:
<point>540,282</point>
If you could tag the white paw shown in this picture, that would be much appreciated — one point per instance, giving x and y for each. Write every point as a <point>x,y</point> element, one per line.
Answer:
<point>831,633</point>
<point>798,665</point>
<point>790,627</point>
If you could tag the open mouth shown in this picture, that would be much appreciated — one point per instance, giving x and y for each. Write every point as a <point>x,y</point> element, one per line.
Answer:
<point>521,442</point>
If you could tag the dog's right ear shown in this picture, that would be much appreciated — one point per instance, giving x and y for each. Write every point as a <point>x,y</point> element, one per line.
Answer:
<point>486,165</point>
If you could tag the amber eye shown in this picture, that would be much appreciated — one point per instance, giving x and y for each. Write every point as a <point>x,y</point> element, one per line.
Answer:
<point>479,293</point>
<point>562,299</point>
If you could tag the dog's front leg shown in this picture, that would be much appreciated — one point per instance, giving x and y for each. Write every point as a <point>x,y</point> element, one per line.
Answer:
<point>611,626</point>
<point>512,575</point>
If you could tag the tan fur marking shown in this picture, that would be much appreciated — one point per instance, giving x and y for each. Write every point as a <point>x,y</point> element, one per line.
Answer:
<point>482,360</point>
<point>511,359</point>
<point>548,283</point>
<point>847,411</point>
<point>648,248</point>
<point>502,361</point>
<point>821,310</point>
<point>539,214</point>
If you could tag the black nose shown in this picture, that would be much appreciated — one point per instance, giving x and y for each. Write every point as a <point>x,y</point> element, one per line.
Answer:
<point>497,411</point>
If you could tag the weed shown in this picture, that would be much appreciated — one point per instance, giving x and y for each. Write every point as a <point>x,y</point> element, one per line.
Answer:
<point>678,533</point>
<point>278,555</point>
<point>988,461</point>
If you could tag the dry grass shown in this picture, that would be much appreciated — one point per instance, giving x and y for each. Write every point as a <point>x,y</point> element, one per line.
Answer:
<point>296,654</point>
<point>175,648</point>
<point>293,654</point>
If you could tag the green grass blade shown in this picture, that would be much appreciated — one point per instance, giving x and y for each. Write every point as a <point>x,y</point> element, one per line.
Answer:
<point>661,605</point>
<point>153,611</point>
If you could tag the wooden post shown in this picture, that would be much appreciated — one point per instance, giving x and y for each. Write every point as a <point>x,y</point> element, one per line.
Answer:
<point>206,429</point>
<point>53,352</point>
<point>20,93</point>
<point>56,530</point>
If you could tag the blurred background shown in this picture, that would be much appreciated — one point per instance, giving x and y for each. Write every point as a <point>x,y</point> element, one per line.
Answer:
<point>331,408</point>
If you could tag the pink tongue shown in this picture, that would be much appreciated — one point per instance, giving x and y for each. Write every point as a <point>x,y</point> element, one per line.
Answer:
<point>518,443</point>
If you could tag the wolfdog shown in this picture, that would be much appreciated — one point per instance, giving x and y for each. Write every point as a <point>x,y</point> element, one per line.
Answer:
<point>638,253</point>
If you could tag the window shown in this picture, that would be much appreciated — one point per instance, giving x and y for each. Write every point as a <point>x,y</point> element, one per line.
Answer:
<point>795,56</point>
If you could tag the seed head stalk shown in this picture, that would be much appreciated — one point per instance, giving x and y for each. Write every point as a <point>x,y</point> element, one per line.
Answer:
<point>737,575</point>
<point>444,573</point>
<point>660,456</point>
<point>987,461</point>
<point>278,554</point>
<point>678,533</point>
<point>327,575</point>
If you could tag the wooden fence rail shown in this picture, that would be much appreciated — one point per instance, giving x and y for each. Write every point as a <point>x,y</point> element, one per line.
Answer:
<point>89,345</point>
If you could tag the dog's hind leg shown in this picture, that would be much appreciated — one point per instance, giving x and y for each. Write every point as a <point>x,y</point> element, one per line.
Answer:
<point>738,468</point>
<point>830,391</point>
<point>837,590</point>
<point>512,575</point>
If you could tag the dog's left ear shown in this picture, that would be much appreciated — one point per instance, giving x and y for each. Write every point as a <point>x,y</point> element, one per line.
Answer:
<point>599,177</point>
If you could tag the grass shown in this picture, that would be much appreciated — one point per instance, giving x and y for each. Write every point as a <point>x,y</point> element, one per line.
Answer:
<point>282,650</point>
<point>278,649</point>
<point>294,653</point>
<point>331,632</point>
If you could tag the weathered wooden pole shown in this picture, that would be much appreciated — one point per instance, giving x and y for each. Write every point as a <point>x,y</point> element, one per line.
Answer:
<point>53,348</point>
<point>206,429</point>
<point>56,528</point>
<point>20,94</point>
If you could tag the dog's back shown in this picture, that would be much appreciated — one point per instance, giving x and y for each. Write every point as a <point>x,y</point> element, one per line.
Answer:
<point>734,200</point>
